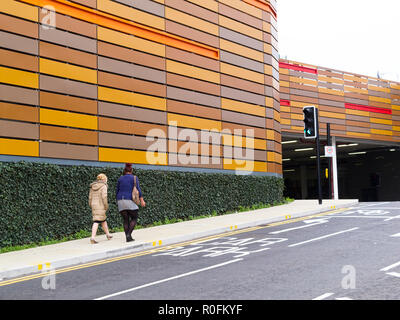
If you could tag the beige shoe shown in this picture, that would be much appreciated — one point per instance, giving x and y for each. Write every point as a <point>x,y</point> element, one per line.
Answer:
<point>109,237</point>
<point>92,241</point>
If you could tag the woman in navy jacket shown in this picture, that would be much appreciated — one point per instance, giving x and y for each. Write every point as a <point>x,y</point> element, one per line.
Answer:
<point>127,208</point>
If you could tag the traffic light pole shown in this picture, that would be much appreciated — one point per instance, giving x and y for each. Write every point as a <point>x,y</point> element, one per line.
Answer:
<point>318,160</point>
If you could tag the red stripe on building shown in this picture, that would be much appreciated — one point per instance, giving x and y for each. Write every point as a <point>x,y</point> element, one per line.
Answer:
<point>367,108</point>
<point>285,102</point>
<point>297,67</point>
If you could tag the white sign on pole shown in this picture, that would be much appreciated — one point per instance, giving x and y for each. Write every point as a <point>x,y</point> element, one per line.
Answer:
<point>330,151</point>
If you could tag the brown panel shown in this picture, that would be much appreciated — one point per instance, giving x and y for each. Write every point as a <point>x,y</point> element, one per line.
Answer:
<point>351,123</point>
<point>18,112</point>
<point>128,141</point>
<point>113,51</point>
<point>379,104</point>
<point>194,110</point>
<point>303,99</point>
<point>294,85</point>
<point>331,97</point>
<point>68,87</point>
<point>192,58</point>
<point>191,34</point>
<point>59,101</point>
<point>19,60</point>
<point>19,129</point>
<point>258,132</point>
<point>331,109</point>
<point>68,151</point>
<point>193,10</point>
<point>133,113</point>
<point>116,125</point>
<point>70,135</point>
<point>189,83</point>
<point>88,3</point>
<point>121,82</point>
<point>146,129</point>
<point>242,118</point>
<point>19,26</point>
<point>66,54</point>
<point>239,16</point>
<point>242,84</point>
<point>196,161</point>
<point>71,24</point>
<point>18,95</point>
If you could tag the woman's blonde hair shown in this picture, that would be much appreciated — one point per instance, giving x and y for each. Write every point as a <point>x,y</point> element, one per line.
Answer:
<point>102,176</point>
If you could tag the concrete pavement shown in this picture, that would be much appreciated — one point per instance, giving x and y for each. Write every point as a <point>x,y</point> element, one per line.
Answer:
<point>24,262</point>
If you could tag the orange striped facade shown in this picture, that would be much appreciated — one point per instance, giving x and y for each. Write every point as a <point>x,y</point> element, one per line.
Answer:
<point>356,106</point>
<point>111,75</point>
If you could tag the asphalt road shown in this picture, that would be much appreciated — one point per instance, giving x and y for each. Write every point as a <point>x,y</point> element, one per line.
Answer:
<point>348,255</point>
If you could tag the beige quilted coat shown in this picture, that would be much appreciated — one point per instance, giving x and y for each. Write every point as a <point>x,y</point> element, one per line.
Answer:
<point>98,200</point>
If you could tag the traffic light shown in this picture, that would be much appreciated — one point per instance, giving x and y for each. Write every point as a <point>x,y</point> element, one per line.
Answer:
<point>310,122</point>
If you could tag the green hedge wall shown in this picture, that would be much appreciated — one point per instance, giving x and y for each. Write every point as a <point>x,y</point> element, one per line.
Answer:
<point>45,201</point>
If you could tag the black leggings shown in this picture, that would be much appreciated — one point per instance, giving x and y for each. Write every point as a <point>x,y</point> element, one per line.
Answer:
<point>130,219</point>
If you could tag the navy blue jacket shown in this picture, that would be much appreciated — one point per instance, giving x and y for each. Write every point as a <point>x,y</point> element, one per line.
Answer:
<point>125,187</point>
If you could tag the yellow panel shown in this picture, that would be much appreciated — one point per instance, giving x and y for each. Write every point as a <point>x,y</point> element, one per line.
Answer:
<point>130,98</point>
<point>296,116</point>
<point>285,109</point>
<point>302,104</point>
<point>284,84</point>
<point>354,78</point>
<point>191,71</point>
<point>19,147</point>
<point>381,89</point>
<point>130,41</point>
<point>358,134</point>
<point>269,102</point>
<point>19,9</point>
<point>268,69</point>
<point>19,78</point>
<point>132,156</point>
<point>378,99</point>
<point>243,142</point>
<point>357,112</point>
<point>357,90</point>
<point>244,165</point>
<point>241,50</point>
<point>274,157</point>
<point>331,91</point>
<point>381,121</point>
<point>384,132</point>
<point>68,119</point>
<point>242,73</point>
<point>395,86</point>
<point>191,21</point>
<point>244,7</point>
<point>268,49</point>
<point>297,128</point>
<point>303,80</point>
<point>242,107</point>
<point>266,27</point>
<point>270,134</point>
<point>66,70</point>
<point>396,128</point>
<point>331,80</point>
<point>131,14</point>
<point>240,27</point>
<point>394,107</point>
<point>332,115</point>
<point>285,121</point>
<point>193,122</point>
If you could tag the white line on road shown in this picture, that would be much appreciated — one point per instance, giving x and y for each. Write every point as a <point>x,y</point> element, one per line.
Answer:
<point>325,295</point>
<point>395,235</point>
<point>394,265</point>
<point>301,227</point>
<point>168,279</point>
<point>370,217</point>
<point>374,204</point>
<point>323,237</point>
<point>391,218</point>
<point>396,274</point>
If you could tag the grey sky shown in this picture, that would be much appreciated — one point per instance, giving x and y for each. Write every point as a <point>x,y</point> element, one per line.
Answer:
<point>360,36</point>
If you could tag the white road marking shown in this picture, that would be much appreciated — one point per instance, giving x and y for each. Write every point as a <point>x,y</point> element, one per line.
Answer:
<point>391,218</point>
<point>168,279</point>
<point>325,295</point>
<point>343,298</point>
<point>385,217</point>
<point>396,274</point>
<point>395,235</point>
<point>316,222</point>
<point>394,265</point>
<point>374,204</point>
<point>323,237</point>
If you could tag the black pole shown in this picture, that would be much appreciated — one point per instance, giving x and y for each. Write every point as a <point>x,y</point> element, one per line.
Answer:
<point>318,161</point>
<point>328,134</point>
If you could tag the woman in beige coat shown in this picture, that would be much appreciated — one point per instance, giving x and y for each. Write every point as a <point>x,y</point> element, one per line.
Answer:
<point>99,204</point>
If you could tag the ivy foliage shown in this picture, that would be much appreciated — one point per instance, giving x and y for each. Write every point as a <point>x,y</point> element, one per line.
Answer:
<point>40,201</point>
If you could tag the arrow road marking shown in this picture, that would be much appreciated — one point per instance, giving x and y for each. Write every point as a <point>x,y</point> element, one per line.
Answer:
<point>325,295</point>
<point>323,237</point>
<point>309,223</point>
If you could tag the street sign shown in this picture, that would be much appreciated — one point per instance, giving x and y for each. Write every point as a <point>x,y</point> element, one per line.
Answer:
<point>330,151</point>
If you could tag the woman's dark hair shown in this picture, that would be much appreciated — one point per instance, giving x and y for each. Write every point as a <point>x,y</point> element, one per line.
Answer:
<point>128,168</point>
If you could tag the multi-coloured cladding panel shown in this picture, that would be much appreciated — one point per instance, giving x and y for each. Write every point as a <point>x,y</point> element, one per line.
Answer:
<point>152,82</point>
<point>356,106</point>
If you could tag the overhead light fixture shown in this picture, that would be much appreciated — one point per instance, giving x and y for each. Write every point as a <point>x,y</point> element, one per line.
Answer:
<point>347,145</point>
<point>286,159</point>
<point>313,157</point>
<point>304,149</point>
<point>354,153</point>
<point>289,170</point>
<point>392,150</point>
<point>287,142</point>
